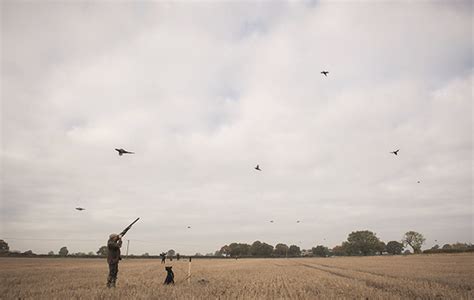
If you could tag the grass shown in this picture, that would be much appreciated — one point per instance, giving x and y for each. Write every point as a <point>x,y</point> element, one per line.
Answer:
<point>440,276</point>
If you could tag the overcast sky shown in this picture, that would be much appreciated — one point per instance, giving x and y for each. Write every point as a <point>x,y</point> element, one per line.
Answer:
<point>202,92</point>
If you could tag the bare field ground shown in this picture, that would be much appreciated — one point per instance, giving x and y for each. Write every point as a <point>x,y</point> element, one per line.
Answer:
<point>389,277</point>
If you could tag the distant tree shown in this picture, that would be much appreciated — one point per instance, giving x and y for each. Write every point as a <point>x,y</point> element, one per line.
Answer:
<point>362,243</point>
<point>50,253</point>
<point>225,250</point>
<point>102,251</point>
<point>209,254</point>
<point>255,248</point>
<point>320,251</point>
<point>381,247</point>
<point>281,250</point>
<point>79,254</point>
<point>339,250</point>
<point>91,253</point>
<point>29,252</point>
<point>459,246</point>
<point>435,247</point>
<point>261,249</point>
<point>414,240</point>
<point>146,254</point>
<point>294,251</point>
<point>406,252</point>
<point>217,253</point>
<point>446,246</point>
<point>171,253</point>
<point>63,251</point>
<point>4,248</point>
<point>394,247</point>
<point>198,254</point>
<point>239,249</point>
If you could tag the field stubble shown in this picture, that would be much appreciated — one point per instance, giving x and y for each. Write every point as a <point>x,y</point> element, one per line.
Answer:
<point>387,277</point>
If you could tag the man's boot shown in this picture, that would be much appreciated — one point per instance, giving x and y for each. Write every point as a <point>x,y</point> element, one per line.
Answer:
<point>109,282</point>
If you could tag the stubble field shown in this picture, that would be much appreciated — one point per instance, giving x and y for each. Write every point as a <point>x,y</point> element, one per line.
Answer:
<point>387,277</point>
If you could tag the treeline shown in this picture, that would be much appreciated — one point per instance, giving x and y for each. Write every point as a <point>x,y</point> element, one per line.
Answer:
<point>358,243</point>
<point>450,248</point>
<point>259,249</point>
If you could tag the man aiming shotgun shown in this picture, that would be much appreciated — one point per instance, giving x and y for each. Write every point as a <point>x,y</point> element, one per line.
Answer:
<point>113,254</point>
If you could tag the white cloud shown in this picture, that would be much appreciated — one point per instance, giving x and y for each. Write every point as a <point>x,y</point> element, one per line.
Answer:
<point>203,92</point>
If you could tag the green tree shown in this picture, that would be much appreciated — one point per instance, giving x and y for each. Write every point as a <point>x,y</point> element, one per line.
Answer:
<point>460,246</point>
<point>280,250</point>
<point>225,250</point>
<point>102,251</point>
<point>239,249</point>
<point>414,240</point>
<point>435,247</point>
<point>171,253</point>
<point>63,251</point>
<point>51,253</point>
<point>29,252</point>
<point>381,247</point>
<point>146,254</point>
<point>340,250</point>
<point>394,247</point>
<point>446,246</point>
<point>261,249</point>
<point>294,251</point>
<point>320,251</point>
<point>362,243</point>
<point>255,248</point>
<point>4,248</point>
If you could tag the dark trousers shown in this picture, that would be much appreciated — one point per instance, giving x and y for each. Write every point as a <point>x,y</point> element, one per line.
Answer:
<point>113,271</point>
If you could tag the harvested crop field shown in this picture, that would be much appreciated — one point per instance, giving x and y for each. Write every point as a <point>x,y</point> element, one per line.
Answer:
<point>387,277</point>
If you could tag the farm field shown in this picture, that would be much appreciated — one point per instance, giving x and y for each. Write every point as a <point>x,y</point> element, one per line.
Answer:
<point>389,277</point>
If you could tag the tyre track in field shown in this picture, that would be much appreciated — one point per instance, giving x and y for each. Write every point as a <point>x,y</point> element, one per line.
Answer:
<point>447,285</point>
<point>386,287</point>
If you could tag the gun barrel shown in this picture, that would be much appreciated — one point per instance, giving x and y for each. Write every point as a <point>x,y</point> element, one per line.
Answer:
<point>128,227</point>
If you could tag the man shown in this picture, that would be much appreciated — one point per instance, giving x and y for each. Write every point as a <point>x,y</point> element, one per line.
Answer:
<point>163,258</point>
<point>113,258</point>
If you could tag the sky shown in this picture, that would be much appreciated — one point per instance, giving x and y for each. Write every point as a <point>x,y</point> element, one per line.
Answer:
<point>202,92</point>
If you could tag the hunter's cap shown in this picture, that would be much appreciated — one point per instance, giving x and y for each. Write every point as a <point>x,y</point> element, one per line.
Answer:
<point>113,235</point>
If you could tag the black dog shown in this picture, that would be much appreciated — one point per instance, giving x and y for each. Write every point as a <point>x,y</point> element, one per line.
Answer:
<point>170,276</point>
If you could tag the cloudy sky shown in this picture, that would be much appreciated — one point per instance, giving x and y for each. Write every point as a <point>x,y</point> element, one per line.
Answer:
<point>203,91</point>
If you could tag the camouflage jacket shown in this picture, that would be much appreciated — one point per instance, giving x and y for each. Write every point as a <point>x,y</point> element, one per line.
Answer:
<point>113,253</point>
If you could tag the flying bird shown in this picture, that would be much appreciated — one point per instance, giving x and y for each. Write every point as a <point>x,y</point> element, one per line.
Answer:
<point>258,168</point>
<point>271,221</point>
<point>325,73</point>
<point>395,152</point>
<point>189,227</point>
<point>418,181</point>
<point>122,151</point>
<point>298,221</point>
<point>80,208</point>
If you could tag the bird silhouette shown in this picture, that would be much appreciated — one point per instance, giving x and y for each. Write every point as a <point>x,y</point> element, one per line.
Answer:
<point>258,168</point>
<point>189,227</point>
<point>325,73</point>
<point>395,152</point>
<point>271,221</point>
<point>298,221</point>
<point>80,208</point>
<point>122,151</point>
<point>418,181</point>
